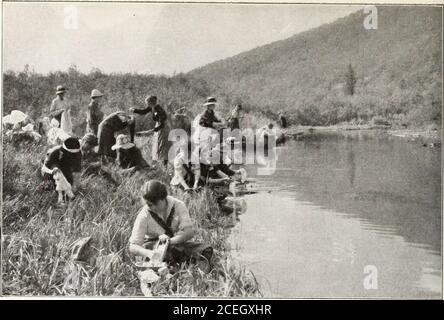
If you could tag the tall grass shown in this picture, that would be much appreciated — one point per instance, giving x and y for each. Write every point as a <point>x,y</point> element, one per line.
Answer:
<point>37,237</point>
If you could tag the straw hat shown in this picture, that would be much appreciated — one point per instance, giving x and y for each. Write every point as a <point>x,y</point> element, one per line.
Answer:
<point>96,93</point>
<point>122,141</point>
<point>60,89</point>
<point>210,101</point>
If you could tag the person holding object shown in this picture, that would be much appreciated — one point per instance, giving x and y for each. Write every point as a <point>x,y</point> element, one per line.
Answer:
<point>162,219</point>
<point>113,123</point>
<point>67,158</point>
<point>161,144</point>
<point>59,105</point>
<point>94,115</point>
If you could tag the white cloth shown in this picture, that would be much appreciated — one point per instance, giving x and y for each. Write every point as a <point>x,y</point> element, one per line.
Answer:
<point>56,136</point>
<point>66,122</point>
<point>179,171</point>
<point>16,116</point>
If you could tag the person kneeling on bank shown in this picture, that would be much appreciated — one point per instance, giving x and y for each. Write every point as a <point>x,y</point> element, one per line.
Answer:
<point>67,158</point>
<point>162,219</point>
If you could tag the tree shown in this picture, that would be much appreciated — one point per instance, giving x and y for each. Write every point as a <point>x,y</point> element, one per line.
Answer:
<point>350,81</point>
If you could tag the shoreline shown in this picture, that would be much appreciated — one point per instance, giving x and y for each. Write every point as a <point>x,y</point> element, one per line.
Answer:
<point>430,137</point>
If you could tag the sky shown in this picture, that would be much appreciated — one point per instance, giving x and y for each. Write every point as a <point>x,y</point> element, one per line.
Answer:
<point>146,38</point>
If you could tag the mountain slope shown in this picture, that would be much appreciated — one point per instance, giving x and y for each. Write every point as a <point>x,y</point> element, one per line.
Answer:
<point>397,68</point>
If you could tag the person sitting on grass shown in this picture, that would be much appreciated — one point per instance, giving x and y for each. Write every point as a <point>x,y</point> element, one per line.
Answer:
<point>162,219</point>
<point>129,157</point>
<point>67,158</point>
<point>91,159</point>
<point>186,168</point>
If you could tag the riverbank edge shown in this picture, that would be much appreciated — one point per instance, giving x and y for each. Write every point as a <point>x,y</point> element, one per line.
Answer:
<point>432,137</point>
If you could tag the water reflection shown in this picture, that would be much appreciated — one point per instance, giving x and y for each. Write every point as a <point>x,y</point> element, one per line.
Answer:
<point>386,181</point>
<point>340,201</point>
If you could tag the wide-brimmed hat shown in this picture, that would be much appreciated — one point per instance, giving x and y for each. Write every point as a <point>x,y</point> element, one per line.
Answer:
<point>210,101</point>
<point>122,142</point>
<point>96,93</point>
<point>60,89</point>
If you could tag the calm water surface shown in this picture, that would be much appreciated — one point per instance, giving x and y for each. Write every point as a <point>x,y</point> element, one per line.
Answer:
<point>341,201</point>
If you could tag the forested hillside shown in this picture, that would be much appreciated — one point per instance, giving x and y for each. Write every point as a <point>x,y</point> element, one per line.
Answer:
<point>342,72</point>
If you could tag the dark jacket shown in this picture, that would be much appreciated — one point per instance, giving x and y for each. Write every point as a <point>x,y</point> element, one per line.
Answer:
<point>159,115</point>
<point>208,118</point>
<point>129,158</point>
<point>66,161</point>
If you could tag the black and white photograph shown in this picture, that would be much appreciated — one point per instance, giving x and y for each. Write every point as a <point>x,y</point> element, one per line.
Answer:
<point>221,150</point>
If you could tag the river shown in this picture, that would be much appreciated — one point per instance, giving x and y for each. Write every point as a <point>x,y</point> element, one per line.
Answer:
<point>345,214</point>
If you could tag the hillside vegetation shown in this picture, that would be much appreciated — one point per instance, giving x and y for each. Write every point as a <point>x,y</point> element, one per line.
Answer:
<point>396,69</point>
<point>32,92</point>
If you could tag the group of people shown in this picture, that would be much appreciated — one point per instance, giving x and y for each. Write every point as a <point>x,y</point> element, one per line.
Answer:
<point>163,218</point>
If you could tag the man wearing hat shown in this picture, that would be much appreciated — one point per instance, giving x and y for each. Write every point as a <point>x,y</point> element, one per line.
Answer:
<point>59,105</point>
<point>209,119</point>
<point>67,158</point>
<point>94,115</point>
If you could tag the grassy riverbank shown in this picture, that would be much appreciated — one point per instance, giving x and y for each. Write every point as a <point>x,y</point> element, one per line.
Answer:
<point>37,236</point>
